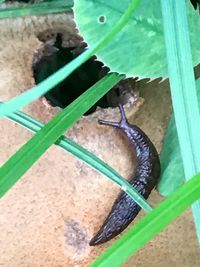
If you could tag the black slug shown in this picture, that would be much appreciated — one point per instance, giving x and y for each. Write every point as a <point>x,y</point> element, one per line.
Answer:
<point>147,172</point>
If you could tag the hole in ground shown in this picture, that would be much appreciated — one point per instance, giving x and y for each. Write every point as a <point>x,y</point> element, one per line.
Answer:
<point>53,57</point>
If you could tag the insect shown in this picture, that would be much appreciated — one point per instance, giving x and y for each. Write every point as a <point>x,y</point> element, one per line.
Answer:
<point>146,176</point>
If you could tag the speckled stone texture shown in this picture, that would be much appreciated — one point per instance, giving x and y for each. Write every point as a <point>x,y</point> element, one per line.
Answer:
<point>49,216</point>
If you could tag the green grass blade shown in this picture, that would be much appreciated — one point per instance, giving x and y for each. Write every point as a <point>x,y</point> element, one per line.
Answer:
<point>25,157</point>
<point>42,8</point>
<point>183,90</point>
<point>84,155</point>
<point>150,225</point>
<point>39,90</point>
<point>28,154</point>
<point>171,161</point>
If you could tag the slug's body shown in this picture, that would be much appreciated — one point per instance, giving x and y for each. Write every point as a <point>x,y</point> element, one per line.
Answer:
<point>146,176</point>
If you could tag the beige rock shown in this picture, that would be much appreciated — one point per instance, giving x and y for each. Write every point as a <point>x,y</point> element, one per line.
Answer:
<point>49,216</point>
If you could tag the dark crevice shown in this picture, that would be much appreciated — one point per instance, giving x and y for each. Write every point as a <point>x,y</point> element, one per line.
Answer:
<point>53,57</point>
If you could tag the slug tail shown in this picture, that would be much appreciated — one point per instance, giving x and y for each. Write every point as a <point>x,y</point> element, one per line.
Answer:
<point>123,212</point>
<point>97,239</point>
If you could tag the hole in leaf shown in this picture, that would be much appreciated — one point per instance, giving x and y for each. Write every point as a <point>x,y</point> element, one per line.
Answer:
<point>102,19</point>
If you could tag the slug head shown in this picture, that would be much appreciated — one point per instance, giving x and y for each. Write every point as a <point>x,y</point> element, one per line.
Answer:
<point>123,123</point>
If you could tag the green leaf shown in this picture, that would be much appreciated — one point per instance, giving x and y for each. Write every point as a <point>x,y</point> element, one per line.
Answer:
<point>183,90</point>
<point>139,49</point>
<point>39,90</point>
<point>84,155</point>
<point>42,8</point>
<point>150,225</point>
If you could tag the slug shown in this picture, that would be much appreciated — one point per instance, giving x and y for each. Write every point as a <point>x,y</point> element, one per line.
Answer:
<point>146,176</point>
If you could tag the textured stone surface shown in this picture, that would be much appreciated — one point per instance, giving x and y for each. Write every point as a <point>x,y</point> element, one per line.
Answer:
<point>48,217</point>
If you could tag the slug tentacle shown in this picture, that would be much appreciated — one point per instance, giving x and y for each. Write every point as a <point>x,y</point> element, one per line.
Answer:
<point>147,172</point>
<point>115,124</point>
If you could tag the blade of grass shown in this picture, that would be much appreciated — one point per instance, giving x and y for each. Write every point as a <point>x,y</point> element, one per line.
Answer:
<point>170,157</point>
<point>82,154</point>
<point>150,225</point>
<point>37,9</point>
<point>43,87</point>
<point>183,90</point>
<point>23,159</point>
<point>19,163</point>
